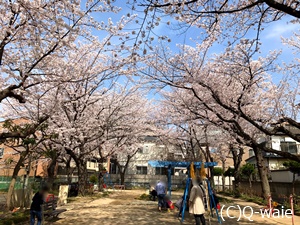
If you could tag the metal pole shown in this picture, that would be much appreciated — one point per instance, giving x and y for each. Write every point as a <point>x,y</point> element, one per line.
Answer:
<point>169,180</point>
<point>292,208</point>
<point>185,199</point>
<point>187,186</point>
<point>270,204</point>
<point>108,164</point>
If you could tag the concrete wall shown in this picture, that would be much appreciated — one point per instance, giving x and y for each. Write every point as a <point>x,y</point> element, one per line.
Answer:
<point>283,176</point>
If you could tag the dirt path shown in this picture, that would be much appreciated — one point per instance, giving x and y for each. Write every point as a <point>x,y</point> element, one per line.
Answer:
<point>122,208</point>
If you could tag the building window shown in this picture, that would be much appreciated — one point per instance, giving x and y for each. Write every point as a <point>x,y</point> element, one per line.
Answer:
<point>1,153</point>
<point>290,147</point>
<point>163,171</point>
<point>141,169</point>
<point>160,171</point>
<point>113,168</point>
<point>251,152</point>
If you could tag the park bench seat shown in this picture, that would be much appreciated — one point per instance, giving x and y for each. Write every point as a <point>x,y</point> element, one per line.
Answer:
<point>49,208</point>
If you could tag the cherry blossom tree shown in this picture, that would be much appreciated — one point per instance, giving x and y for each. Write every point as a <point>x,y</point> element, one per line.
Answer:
<point>225,20</point>
<point>24,147</point>
<point>197,137</point>
<point>33,32</point>
<point>226,23</point>
<point>232,90</point>
<point>37,37</point>
<point>128,126</point>
<point>93,118</point>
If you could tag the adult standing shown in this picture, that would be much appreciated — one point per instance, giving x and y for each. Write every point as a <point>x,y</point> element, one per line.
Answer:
<point>36,206</point>
<point>196,205</point>
<point>161,194</point>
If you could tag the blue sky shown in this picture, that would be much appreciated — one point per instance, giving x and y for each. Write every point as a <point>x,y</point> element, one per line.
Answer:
<point>270,37</point>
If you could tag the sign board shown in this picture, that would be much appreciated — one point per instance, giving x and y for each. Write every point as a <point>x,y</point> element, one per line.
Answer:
<point>63,194</point>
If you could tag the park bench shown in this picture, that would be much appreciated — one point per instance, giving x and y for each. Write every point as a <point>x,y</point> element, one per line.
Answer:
<point>49,208</point>
<point>119,187</point>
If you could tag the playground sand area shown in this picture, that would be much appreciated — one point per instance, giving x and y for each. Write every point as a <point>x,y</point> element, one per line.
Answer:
<point>124,208</point>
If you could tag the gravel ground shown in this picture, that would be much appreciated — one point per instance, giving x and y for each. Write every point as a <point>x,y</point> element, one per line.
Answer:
<point>123,208</point>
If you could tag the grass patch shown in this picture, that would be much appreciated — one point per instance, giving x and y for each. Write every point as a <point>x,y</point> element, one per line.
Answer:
<point>227,193</point>
<point>225,200</point>
<point>144,197</point>
<point>15,218</point>
<point>255,199</point>
<point>247,198</point>
<point>105,194</point>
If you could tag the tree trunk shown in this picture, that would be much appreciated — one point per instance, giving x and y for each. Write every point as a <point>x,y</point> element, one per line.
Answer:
<point>122,176</point>
<point>263,172</point>
<point>51,173</point>
<point>25,184</point>
<point>123,172</point>
<point>82,177</point>
<point>68,170</point>
<point>236,186</point>
<point>237,156</point>
<point>294,176</point>
<point>223,177</point>
<point>100,178</point>
<point>11,188</point>
<point>81,171</point>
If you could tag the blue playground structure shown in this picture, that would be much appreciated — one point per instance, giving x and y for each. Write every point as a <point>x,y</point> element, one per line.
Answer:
<point>171,164</point>
<point>197,165</point>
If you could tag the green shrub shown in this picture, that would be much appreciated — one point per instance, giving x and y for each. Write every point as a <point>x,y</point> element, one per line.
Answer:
<point>144,197</point>
<point>93,179</point>
<point>217,171</point>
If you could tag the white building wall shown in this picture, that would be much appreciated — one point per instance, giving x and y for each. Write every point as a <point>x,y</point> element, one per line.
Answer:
<point>275,140</point>
<point>150,151</point>
<point>92,166</point>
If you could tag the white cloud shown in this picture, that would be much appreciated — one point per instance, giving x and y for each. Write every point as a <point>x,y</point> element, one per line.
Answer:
<point>280,29</point>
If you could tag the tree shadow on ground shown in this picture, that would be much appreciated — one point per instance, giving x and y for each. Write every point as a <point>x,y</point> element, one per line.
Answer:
<point>125,209</point>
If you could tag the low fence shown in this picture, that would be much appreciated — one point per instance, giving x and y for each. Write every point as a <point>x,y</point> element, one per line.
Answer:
<point>144,180</point>
<point>278,189</point>
<point>5,182</point>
